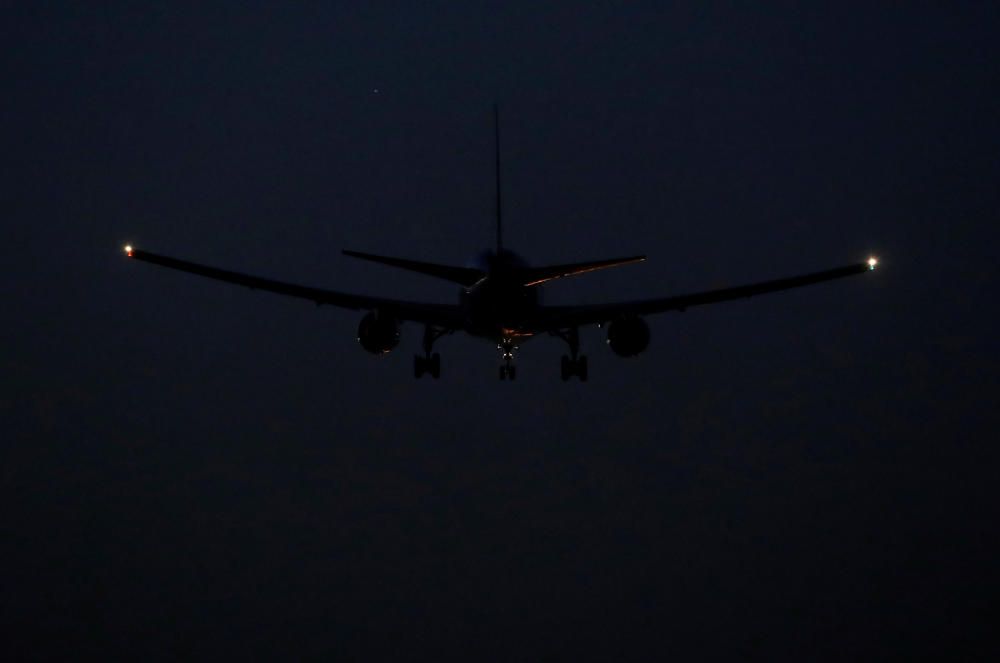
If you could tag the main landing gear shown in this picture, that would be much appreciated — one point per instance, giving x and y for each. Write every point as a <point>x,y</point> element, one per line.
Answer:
<point>429,363</point>
<point>507,370</point>
<point>575,363</point>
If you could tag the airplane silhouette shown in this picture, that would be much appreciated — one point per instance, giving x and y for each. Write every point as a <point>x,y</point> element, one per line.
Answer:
<point>500,301</point>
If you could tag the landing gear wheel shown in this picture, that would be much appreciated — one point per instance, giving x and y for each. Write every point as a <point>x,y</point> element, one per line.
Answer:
<point>569,367</point>
<point>507,347</point>
<point>574,363</point>
<point>430,365</point>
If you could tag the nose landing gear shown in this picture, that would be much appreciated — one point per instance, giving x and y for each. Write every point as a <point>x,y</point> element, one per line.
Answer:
<point>507,370</point>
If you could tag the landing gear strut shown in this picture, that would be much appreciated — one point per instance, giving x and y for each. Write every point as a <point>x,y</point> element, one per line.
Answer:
<point>575,363</point>
<point>507,370</point>
<point>429,363</point>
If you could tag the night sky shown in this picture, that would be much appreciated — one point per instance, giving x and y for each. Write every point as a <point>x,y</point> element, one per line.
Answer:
<point>194,470</point>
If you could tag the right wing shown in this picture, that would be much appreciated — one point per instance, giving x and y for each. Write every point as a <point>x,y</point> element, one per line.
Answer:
<point>561,317</point>
<point>440,315</point>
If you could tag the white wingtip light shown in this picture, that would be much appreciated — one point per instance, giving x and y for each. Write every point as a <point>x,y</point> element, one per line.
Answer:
<point>872,262</point>
<point>128,250</point>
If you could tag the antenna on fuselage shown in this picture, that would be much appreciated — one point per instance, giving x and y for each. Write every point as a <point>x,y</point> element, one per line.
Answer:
<point>496,134</point>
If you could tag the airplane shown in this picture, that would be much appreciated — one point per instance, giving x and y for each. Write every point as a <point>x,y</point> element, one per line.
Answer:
<point>500,301</point>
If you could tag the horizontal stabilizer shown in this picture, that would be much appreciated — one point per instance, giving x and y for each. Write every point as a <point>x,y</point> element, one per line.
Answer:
<point>466,276</point>
<point>537,275</point>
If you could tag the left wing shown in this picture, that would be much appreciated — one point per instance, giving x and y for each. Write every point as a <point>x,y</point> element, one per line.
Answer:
<point>561,317</point>
<point>441,315</point>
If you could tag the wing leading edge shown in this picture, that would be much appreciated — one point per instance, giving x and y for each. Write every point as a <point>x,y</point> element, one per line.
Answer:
<point>441,315</point>
<point>561,317</point>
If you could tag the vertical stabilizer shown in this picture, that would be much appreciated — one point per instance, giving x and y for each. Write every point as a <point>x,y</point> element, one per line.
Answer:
<point>496,134</point>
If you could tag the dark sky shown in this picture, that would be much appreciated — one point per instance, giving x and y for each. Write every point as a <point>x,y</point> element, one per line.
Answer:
<point>191,469</point>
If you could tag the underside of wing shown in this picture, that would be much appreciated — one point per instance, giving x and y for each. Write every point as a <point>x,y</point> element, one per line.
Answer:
<point>441,315</point>
<point>561,317</point>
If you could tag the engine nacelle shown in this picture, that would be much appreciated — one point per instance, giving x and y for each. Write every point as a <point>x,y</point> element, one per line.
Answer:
<point>378,333</point>
<point>627,337</point>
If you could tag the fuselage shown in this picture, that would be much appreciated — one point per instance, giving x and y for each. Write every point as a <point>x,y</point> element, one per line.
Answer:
<point>499,307</point>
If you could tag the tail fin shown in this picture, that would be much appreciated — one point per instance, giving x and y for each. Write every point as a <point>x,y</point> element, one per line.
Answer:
<point>496,135</point>
<point>466,276</point>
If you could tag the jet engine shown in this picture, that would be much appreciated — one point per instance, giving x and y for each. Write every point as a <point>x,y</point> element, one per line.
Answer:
<point>627,337</point>
<point>378,333</point>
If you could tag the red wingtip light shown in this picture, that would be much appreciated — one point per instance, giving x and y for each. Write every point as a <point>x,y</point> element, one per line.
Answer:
<point>128,250</point>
